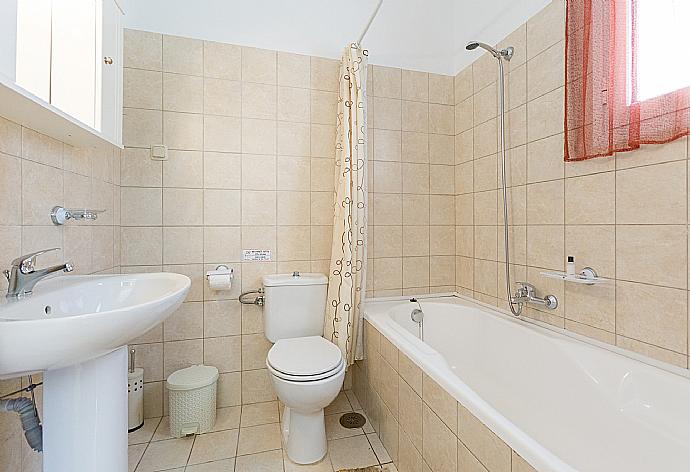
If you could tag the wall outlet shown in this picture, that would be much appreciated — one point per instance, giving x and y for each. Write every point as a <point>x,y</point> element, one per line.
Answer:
<point>159,152</point>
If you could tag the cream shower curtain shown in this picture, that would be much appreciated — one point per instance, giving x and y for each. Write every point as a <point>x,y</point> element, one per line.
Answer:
<point>347,276</point>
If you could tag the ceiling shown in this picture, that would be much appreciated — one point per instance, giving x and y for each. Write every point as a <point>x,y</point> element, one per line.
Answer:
<point>427,35</point>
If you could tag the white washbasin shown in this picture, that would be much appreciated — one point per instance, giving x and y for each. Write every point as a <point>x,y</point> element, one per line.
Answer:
<point>72,319</point>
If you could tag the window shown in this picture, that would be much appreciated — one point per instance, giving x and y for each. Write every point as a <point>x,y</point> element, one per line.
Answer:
<point>661,33</point>
<point>627,75</point>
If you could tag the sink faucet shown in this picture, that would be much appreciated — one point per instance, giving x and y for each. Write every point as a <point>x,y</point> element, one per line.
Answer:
<point>23,275</point>
<point>526,293</point>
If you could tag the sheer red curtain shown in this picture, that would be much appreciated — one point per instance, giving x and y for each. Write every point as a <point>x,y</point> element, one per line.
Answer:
<point>602,113</point>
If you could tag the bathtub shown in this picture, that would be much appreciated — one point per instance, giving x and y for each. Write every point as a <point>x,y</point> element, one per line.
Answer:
<point>561,402</point>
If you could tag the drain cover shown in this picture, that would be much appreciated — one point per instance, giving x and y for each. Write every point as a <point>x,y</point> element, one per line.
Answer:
<point>352,420</point>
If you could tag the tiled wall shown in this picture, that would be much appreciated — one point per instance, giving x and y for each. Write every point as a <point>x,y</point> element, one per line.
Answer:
<point>411,235</point>
<point>626,216</point>
<point>250,136</point>
<point>422,426</point>
<point>37,173</point>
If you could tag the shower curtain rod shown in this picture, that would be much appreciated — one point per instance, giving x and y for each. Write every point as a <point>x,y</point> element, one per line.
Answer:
<point>371,20</point>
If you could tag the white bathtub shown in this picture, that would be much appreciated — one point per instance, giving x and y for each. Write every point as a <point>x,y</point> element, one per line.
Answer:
<point>561,403</point>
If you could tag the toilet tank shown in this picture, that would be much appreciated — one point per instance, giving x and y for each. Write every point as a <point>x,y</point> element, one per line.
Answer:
<point>294,305</point>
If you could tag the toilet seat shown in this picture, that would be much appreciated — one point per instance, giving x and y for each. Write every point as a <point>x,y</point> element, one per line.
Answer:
<point>305,359</point>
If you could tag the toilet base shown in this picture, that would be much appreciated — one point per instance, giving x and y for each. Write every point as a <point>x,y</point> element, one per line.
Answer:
<point>304,435</point>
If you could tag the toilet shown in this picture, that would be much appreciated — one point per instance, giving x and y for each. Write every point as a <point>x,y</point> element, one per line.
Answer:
<point>307,370</point>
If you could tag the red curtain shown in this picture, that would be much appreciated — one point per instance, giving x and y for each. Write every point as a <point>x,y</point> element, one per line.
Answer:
<point>599,118</point>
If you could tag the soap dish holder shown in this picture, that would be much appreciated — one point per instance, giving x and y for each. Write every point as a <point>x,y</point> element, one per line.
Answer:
<point>587,276</point>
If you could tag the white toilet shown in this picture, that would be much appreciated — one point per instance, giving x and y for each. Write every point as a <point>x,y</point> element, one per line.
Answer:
<point>306,369</point>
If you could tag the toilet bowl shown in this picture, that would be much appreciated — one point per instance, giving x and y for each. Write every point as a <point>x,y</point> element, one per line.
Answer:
<point>307,374</point>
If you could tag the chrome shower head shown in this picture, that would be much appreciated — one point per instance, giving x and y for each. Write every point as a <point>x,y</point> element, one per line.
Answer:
<point>506,53</point>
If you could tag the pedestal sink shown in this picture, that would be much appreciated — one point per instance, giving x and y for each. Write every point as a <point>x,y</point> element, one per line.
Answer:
<point>75,330</point>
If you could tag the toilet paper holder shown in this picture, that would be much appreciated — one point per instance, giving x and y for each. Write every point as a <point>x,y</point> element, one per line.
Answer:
<point>221,270</point>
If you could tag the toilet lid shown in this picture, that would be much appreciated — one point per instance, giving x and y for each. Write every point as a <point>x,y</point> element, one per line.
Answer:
<point>308,356</point>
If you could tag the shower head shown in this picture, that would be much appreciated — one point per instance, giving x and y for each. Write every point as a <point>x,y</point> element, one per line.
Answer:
<point>506,53</point>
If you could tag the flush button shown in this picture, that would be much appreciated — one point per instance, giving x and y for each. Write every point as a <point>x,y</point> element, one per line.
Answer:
<point>295,274</point>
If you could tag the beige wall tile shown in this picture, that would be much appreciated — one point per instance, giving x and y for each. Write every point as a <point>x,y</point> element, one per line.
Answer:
<point>183,93</point>
<point>415,86</point>
<point>183,55</point>
<point>141,128</point>
<point>324,74</point>
<point>142,89</point>
<point>141,206</point>
<point>183,245</point>
<point>655,315</point>
<point>590,199</point>
<point>259,101</point>
<point>258,136</point>
<point>652,195</point>
<point>439,443</point>
<point>545,246</point>
<point>222,207</point>
<point>545,203</point>
<point>293,70</point>
<point>222,244</point>
<point>387,82</point>
<point>182,207</point>
<point>222,97</point>
<point>222,61</point>
<point>441,89</point>
<point>183,169</point>
<point>483,443</point>
<point>387,114</point>
<point>10,199</point>
<point>544,71</point>
<point>183,131</point>
<point>222,134</point>
<point>221,170</point>
<point>259,65</point>
<point>293,104</point>
<point>545,115</point>
<point>541,33</point>
<point>143,50</point>
<point>653,254</point>
<point>225,353</point>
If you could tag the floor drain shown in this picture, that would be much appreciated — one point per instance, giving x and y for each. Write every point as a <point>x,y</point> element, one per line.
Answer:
<point>352,420</point>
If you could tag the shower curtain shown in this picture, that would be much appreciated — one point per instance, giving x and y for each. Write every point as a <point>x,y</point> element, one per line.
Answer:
<point>347,275</point>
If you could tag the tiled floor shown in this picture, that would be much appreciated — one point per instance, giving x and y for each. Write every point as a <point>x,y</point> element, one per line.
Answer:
<point>247,439</point>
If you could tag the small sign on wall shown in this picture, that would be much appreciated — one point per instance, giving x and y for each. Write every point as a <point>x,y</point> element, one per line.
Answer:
<point>256,255</point>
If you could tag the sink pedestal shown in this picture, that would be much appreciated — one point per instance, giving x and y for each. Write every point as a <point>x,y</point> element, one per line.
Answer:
<point>85,416</point>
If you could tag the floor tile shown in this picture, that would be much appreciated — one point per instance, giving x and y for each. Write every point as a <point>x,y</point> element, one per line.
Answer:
<point>259,438</point>
<point>134,454</point>
<point>166,454</point>
<point>226,465</point>
<point>227,418</point>
<point>368,428</point>
<point>163,430</point>
<point>214,446</point>
<point>145,433</point>
<point>334,430</point>
<point>354,402</point>
<point>379,449</point>
<point>324,465</point>
<point>340,405</point>
<point>259,413</point>
<point>271,461</point>
<point>351,453</point>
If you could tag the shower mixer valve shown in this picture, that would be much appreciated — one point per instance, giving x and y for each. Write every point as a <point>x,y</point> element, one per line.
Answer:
<point>526,293</point>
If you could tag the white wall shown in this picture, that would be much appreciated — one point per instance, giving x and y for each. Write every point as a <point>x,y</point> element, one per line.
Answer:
<point>427,35</point>
<point>415,34</point>
<point>8,38</point>
<point>475,21</point>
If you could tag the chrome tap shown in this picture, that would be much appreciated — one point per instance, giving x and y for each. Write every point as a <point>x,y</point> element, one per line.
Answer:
<point>23,275</point>
<point>526,293</point>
